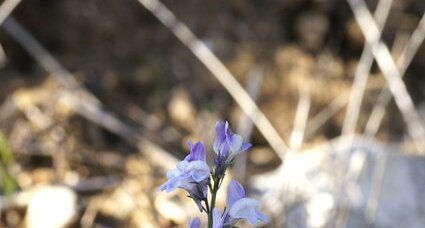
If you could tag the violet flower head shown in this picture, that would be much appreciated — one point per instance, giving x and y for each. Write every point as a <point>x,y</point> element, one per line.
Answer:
<point>195,223</point>
<point>218,219</point>
<point>227,145</point>
<point>197,191</point>
<point>238,207</point>
<point>191,175</point>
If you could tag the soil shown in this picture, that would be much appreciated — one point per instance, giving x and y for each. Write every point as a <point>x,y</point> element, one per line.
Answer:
<point>147,78</point>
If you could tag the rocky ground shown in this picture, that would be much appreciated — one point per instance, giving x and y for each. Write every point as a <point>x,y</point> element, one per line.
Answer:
<point>153,84</point>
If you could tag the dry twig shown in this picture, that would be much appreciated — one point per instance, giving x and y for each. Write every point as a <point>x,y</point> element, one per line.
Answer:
<point>301,116</point>
<point>3,57</point>
<point>83,102</point>
<point>384,97</point>
<point>390,72</point>
<point>223,75</point>
<point>362,73</point>
<point>403,63</point>
<point>6,9</point>
<point>45,59</point>
<point>245,127</point>
<point>319,119</point>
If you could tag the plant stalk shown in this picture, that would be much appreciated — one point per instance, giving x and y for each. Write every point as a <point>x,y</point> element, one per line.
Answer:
<point>213,191</point>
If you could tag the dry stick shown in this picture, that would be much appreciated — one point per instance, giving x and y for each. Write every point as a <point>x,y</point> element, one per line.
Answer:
<point>413,45</point>
<point>301,116</point>
<point>3,57</point>
<point>223,75</point>
<point>253,86</point>
<point>45,59</point>
<point>403,63</point>
<point>84,103</point>
<point>95,114</point>
<point>390,72</point>
<point>362,73</point>
<point>384,97</point>
<point>374,121</point>
<point>319,119</point>
<point>6,8</point>
<point>382,6</point>
<point>89,215</point>
<point>356,96</point>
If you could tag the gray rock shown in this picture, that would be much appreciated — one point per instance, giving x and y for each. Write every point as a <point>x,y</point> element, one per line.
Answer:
<point>366,184</point>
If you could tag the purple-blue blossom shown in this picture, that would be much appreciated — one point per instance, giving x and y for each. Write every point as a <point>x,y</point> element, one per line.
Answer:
<point>195,176</point>
<point>191,175</point>
<point>238,207</point>
<point>227,145</point>
<point>195,223</point>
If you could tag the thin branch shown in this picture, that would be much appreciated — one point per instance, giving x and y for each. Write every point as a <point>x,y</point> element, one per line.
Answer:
<point>44,58</point>
<point>253,86</point>
<point>81,101</point>
<point>3,58</point>
<point>412,46</point>
<point>301,116</point>
<point>390,72</point>
<point>6,8</point>
<point>403,63</point>
<point>319,119</point>
<point>384,97</point>
<point>90,213</point>
<point>362,73</point>
<point>220,72</point>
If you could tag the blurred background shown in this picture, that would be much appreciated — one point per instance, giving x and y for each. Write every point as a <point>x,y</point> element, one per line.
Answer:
<point>98,99</point>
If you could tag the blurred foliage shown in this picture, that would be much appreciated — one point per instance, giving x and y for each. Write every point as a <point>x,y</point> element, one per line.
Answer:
<point>7,181</point>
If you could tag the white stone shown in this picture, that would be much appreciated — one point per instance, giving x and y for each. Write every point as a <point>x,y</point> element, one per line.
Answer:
<point>51,207</point>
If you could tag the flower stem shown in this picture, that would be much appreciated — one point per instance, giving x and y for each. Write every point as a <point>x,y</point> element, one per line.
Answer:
<point>213,191</point>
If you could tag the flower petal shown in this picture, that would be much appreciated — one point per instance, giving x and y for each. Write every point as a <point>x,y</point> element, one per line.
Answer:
<point>198,170</point>
<point>197,191</point>
<point>220,136</point>
<point>197,152</point>
<point>227,144</point>
<point>245,146</point>
<point>235,192</point>
<point>182,165</point>
<point>173,173</point>
<point>246,208</point>
<point>195,223</point>
<point>170,185</point>
<point>228,134</point>
<point>217,219</point>
<point>236,144</point>
<point>262,217</point>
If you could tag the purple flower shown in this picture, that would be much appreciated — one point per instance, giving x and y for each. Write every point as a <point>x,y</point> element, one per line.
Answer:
<point>191,175</point>
<point>195,223</point>
<point>197,191</point>
<point>238,207</point>
<point>227,145</point>
<point>218,219</point>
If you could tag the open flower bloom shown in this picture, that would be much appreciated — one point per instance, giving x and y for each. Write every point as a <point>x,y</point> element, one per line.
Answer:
<point>227,145</point>
<point>191,175</point>
<point>195,223</point>
<point>238,207</point>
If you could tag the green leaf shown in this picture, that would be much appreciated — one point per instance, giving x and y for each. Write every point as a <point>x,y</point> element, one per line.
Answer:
<point>8,183</point>
<point>6,156</point>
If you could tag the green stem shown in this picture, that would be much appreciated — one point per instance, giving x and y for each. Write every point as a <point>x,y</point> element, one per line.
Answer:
<point>214,191</point>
